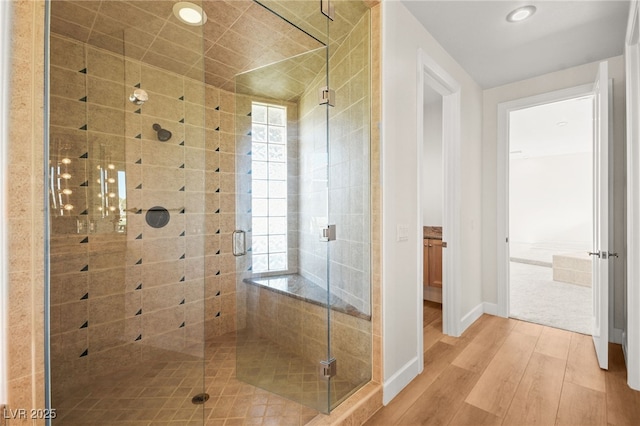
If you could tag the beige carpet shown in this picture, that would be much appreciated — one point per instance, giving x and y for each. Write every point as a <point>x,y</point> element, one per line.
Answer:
<point>535,297</point>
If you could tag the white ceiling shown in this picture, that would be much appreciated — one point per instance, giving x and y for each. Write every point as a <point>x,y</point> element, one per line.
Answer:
<point>557,128</point>
<point>561,34</point>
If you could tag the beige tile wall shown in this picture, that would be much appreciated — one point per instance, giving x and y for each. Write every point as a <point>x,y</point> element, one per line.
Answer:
<point>347,202</point>
<point>376,193</point>
<point>24,215</point>
<point>137,292</point>
<point>301,328</point>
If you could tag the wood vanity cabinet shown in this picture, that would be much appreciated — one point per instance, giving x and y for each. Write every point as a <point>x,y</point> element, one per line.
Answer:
<point>432,273</point>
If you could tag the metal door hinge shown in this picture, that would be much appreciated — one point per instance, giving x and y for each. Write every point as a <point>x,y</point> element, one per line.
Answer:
<point>328,9</point>
<point>327,96</point>
<point>328,368</point>
<point>444,244</point>
<point>328,233</point>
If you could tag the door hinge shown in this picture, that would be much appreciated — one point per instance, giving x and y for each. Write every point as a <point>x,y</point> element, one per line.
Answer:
<point>328,9</point>
<point>327,96</point>
<point>328,233</point>
<point>328,368</point>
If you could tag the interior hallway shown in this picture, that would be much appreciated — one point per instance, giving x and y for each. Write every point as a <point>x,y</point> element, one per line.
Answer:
<point>510,372</point>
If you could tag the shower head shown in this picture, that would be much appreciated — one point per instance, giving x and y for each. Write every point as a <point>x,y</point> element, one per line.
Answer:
<point>139,97</point>
<point>163,134</point>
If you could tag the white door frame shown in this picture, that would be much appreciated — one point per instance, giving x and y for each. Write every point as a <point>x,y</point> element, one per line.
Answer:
<point>631,341</point>
<point>503,177</point>
<point>433,75</point>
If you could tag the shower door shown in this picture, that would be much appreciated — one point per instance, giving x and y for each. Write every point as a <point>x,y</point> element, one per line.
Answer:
<point>126,218</point>
<point>302,225</point>
<point>282,215</point>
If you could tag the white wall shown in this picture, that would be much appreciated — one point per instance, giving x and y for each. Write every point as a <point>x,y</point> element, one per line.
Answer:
<point>550,200</point>
<point>433,178</point>
<point>632,59</point>
<point>402,36</point>
<point>547,83</point>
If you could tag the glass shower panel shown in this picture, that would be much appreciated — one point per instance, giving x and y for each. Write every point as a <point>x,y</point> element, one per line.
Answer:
<point>126,212</point>
<point>349,198</point>
<point>333,187</point>
<point>282,205</point>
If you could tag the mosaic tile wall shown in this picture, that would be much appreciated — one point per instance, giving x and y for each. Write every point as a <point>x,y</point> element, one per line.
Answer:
<point>348,173</point>
<point>122,289</point>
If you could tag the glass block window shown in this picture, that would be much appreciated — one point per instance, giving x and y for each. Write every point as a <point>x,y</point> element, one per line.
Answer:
<point>269,187</point>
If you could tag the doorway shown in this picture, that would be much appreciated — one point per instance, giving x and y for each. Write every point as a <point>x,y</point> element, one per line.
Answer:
<point>436,84</point>
<point>600,91</point>
<point>551,213</point>
<point>432,196</point>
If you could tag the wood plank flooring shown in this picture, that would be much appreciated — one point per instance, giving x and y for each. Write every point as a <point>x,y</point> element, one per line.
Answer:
<point>508,372</point>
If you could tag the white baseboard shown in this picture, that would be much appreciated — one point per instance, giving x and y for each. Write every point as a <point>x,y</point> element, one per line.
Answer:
<point>490,308</point>
<point>399,380</point>
<point>471,317</point>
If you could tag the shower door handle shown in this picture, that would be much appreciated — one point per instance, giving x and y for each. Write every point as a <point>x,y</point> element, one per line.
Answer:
<point>239,241</point>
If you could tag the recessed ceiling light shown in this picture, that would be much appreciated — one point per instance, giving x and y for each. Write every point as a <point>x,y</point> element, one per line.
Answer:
<point>521,13</point>
<point>189,13</point>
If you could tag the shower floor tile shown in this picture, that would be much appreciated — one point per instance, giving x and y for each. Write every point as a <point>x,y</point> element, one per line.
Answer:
<point>160,393</point>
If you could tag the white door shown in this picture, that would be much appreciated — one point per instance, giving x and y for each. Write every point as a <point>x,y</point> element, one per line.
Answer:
<point>600,254</point>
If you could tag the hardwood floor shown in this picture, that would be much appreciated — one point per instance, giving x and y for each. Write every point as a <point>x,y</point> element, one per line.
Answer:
<point>509,372</point>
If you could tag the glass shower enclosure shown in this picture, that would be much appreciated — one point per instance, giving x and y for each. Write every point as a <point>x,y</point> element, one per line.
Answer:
<point>208,210</point>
